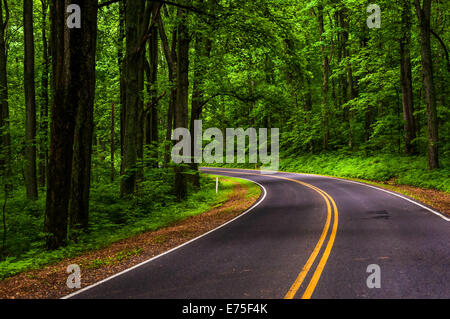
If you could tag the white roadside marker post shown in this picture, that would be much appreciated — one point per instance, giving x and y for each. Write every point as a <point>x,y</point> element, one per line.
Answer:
<point>217,185</point>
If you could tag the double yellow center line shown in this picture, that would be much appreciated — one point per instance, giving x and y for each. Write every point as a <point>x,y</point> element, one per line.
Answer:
<point>331,207</point>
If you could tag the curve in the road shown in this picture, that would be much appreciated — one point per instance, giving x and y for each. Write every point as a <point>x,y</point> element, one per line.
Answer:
<point>292,229</point>
<point>260,200</point>
<point>441,215</point>
<point>331,206</point>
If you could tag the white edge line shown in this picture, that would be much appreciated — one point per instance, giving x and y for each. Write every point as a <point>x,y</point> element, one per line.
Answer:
<point>178,247</point>
<point>371,186</point>
<point>397,195</point>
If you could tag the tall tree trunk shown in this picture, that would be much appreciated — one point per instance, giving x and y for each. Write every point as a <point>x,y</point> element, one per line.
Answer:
<point>406,80</point>
<point>113,146</point>
<point>368,114</point>
<point>151,116</point>
<point>348,89</point>
<point>196,109</point>
<point>368,119</point>
<point>154,45</point>
<point>424,15</point>
<point>202,51</point>
<point>341,94</point>
<point>30,102</point>
<point>308,108</point>
<point>63,113</point>
<point>5,136</point>
<point>181,106</point>
<point>134,78</point>
<point>352,95</point>
<point>44,101</point>
<point>325,74</point>
<point>73,51</point>
<point>171,58</point>
<point>84,47</point>
<point>121,63</point>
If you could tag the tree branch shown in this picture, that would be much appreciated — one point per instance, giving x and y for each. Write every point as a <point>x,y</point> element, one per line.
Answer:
<point>166,47</point>
<point>148,34</point>
<point>231,94</point>
<point>443,46</point>
<point>5,25</point>
<point>189,8</point>
<point>154,103</point>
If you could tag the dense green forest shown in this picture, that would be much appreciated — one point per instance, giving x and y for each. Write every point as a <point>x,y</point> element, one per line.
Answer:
<point>89,103</point>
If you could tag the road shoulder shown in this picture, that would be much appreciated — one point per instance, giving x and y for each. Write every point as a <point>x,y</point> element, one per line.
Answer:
<point>50,281</point>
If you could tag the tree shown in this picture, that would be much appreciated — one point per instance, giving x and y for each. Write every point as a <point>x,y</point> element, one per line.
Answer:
<point>84,47</point>
<point>5,135</point>
<point>30,101</point>
<point>121,62</point>
<point>406,80</point>
<point>170,53</point>
<point>113,145</point>
<point>347,85</point>
<point>73,51</point>
<point>181,105</point>
<point>424,15</point>
<point>325,79</point>
<point>151,114</point>
<point>61,132</point>
<point>202,52</point>
<point>134,85</point>
<point>43,127</point>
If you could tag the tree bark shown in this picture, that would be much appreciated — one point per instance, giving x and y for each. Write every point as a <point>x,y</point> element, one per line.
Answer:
<point>154,45</point>
<point>181,106</point>
<point>121,63</point>
<point>151,116</point>
<point>113,146</point>
<point>171,58</point>
<point>134,84</point>
<point>202,51</point>
<point>44,101</point>
<point>84,48</point>
<point>348,89</point>
<point>30,102</point>
<point>73,58</point>
<point>406,80</point>
<point>63,113</point>
<point>325,74</point>
<point>5,135</point>
<point>424,15</point>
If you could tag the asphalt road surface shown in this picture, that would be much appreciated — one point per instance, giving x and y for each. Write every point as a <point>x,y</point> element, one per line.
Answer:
<point>307,237</point>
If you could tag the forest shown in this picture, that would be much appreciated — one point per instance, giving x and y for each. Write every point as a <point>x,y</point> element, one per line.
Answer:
<point>91,91</point>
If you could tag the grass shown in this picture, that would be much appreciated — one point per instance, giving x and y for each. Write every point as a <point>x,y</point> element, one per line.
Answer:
<point>402,170</point>
<point>108,261</point>
<point>111,219</point>
<point>253,190</point>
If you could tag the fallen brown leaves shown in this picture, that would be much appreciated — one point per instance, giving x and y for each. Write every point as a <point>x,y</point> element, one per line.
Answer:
<point>430,197</point>
<point>50,282</point>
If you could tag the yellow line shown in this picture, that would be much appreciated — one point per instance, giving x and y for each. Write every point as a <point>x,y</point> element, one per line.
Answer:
<point>298,282</point>
<point>318,272</point>
<point>316,276</point>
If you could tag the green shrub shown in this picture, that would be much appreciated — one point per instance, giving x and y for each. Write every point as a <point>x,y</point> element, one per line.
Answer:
<point>406,170</point>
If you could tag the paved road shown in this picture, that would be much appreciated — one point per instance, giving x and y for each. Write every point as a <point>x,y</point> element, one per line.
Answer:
<point>310,237</point>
